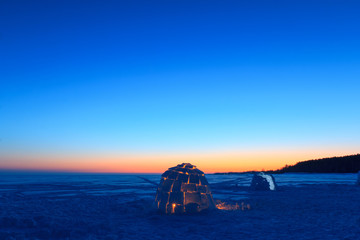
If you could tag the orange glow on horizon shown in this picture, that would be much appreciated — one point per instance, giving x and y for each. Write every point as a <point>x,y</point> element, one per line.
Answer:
<point>158,163</point>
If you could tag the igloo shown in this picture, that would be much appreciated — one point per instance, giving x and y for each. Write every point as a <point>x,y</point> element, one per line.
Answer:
<point>183,189</point>
<point>262,181</point>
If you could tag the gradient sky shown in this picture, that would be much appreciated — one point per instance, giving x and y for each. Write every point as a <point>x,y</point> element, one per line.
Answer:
<point>139,86</point>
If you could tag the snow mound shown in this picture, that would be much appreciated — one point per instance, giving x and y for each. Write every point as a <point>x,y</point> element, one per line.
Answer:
<point>262,181</point>
<point>358,180</point>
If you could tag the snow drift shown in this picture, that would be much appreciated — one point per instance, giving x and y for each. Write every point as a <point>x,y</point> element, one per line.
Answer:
<point>262,181</point>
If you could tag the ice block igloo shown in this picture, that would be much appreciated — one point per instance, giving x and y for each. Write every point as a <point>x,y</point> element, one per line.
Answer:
<point>262,181</point>
<point>183,189</point>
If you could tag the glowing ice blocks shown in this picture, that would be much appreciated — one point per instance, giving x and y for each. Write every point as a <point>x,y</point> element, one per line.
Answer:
<point>183,189</point>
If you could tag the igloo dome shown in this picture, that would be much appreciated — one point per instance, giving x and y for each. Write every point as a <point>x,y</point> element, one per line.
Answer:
<point>183,189</point>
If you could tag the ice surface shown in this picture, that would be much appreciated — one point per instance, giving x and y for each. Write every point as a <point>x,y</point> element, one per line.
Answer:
<point>117,206</point>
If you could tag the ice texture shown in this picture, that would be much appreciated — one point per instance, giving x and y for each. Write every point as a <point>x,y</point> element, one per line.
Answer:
<point>183,189</point>
<point>117,206</point>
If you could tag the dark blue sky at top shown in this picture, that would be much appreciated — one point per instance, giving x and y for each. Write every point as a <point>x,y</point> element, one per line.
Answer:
<point>178,75</point>
<point>67,37</point>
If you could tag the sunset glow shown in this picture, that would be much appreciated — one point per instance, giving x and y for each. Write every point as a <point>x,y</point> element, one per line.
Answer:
<point>143,120</point>
<point>158,163</point>
<point>233,86</point>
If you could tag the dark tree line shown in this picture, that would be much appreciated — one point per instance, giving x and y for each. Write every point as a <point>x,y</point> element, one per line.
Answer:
<point>346,164</point>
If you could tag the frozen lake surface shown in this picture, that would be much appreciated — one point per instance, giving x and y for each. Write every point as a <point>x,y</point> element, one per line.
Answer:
<point>119,206</point>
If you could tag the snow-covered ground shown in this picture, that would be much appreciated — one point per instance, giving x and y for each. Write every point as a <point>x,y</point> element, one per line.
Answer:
<point>116,206</point>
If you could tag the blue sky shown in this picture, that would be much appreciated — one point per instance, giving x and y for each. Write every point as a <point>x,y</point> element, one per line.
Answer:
<point>178,76</point>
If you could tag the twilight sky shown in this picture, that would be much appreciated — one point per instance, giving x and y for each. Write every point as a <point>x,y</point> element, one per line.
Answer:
<point>139,86</point>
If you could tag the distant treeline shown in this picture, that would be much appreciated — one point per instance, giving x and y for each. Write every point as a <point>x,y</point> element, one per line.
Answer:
<point>345,164</point>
